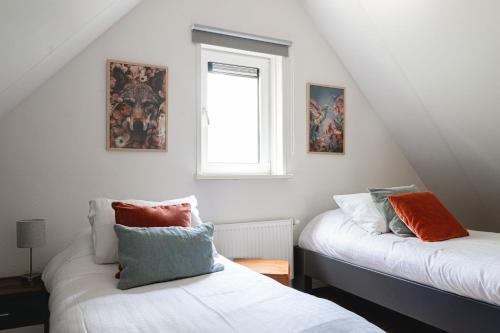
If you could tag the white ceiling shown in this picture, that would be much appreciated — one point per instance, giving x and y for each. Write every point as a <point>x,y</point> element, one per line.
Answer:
<point>38,37</point>
<point>430,69</point>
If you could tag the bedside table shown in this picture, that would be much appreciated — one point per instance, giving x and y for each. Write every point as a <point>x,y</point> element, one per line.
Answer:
<point>278,270</point>
<point>22,303</point>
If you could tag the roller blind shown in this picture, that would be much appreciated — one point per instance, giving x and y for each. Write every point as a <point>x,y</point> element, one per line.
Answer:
<point>238,40</point>
<point>227,69</point>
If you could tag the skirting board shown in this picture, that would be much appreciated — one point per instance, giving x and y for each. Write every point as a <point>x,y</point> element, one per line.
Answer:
<point>441,309</point>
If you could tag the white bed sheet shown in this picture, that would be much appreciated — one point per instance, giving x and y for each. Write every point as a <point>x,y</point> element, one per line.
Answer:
<point>84,299</point>
<point>468,266</point>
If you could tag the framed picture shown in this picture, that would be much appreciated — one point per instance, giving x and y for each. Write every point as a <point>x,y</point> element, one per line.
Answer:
<point>325,119</point>
<point>136,106</point>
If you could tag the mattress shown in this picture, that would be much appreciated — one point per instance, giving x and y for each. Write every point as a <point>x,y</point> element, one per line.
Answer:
<point>467,266</point>
<point>84,298</point>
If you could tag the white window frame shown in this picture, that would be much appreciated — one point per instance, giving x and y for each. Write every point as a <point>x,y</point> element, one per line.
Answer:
<point>271,130</point>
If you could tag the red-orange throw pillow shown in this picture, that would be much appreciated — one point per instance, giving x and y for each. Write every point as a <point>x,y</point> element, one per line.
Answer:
<point>426,216</point>
<point>156,216</point>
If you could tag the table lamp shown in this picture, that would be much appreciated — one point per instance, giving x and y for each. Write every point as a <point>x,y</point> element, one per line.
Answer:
<point>30,234</point>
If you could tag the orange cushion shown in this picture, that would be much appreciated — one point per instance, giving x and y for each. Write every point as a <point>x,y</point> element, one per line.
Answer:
<point>426,216</point>
<point>157,216</point>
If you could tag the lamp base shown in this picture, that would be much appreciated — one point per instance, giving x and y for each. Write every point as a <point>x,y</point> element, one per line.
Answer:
<point>31,277</point>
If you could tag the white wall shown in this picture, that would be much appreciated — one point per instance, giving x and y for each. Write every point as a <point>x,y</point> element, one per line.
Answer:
<point>429,68</point>
<point>52,147</point>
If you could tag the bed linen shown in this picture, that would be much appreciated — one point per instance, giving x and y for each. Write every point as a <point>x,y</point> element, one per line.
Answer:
<point>468,266</point>
<point>84,299</point>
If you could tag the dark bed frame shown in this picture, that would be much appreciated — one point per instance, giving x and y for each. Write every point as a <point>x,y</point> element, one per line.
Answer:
<point>441,309</point>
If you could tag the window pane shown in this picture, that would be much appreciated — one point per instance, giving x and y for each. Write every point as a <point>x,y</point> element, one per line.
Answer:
<point>233,110</point>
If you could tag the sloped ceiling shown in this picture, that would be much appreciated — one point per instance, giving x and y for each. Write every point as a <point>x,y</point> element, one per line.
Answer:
<point>37,37</point>
<point>430,69</point>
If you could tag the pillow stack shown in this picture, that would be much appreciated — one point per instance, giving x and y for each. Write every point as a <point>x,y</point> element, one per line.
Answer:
<point>152,241</point>
<point>404,211</point>
<point>102,219</point>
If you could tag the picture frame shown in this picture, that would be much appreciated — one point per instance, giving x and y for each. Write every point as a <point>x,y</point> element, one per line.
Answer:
<point>136,106</point>
<point>325,119</point>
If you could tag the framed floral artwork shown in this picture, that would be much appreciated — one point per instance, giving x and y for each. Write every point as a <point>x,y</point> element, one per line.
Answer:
<point>325,118</point>
<point>136,106</point>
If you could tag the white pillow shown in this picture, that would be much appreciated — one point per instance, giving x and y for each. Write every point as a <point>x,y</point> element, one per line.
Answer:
<point>360,209</point>
<point>102,219</point>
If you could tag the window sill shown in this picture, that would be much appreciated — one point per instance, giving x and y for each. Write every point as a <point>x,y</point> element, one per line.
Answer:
<point>206,176</point>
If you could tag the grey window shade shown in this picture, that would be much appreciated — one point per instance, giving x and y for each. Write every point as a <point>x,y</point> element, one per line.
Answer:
<point>238,40</point>
<point>227,69</point>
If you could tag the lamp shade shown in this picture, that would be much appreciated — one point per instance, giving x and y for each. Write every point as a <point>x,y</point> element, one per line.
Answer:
<point>30,233</point>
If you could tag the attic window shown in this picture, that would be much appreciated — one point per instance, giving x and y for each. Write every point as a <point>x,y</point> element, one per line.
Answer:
<point>241,113</point>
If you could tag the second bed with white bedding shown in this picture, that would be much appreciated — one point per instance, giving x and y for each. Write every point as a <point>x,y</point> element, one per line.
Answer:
<point>84,299</point>
<point>468,266</point>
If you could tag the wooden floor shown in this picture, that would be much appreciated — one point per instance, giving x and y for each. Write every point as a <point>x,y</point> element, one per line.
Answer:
<point>384,318</point>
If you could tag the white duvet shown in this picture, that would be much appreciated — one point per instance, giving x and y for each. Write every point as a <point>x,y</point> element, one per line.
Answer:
<point>84,299</point>
<point>468,266</point>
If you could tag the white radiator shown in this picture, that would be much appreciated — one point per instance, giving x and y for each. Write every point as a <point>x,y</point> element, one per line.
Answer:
<point>262,240</point>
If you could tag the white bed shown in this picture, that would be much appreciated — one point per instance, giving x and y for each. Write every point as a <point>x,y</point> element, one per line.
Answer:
<point>84,299</point>
<point>468,266</point>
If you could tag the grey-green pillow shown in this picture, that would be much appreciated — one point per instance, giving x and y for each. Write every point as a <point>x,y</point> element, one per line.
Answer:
<point>151,255</point>
<point>380,197</point>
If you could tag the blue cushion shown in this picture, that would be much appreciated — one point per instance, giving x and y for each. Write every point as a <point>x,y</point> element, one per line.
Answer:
<point>150,255</point>
<point>380,197</point>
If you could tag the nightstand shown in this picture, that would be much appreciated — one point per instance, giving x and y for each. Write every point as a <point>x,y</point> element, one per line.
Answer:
<point>278,270</point>
<point>22,303</point>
